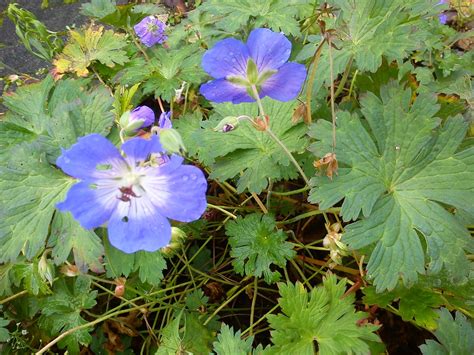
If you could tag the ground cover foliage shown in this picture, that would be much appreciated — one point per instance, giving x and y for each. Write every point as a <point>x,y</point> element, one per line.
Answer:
<point>328,212</point>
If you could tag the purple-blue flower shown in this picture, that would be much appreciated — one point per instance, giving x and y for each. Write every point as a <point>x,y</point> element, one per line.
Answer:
<point>262,61</point>
<point>142,113</point>
<point>136,192</point>
<point>151,31</point>
<point>164,122</point>
<point>443,17</point>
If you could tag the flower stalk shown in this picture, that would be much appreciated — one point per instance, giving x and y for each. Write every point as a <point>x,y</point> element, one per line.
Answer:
<point>275,138</point>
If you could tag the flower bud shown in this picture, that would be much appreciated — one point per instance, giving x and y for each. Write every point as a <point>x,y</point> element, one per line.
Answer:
<point>141,116</point>
<point>45,268</point>
<point>227,124</point>
<point>177,238</point>
<point>171,140</point>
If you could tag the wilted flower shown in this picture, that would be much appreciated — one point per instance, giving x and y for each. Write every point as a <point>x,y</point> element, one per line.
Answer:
<point>151,31</point>
<point>332,240</point>
<point>261,62</point>
<point>136,193</point>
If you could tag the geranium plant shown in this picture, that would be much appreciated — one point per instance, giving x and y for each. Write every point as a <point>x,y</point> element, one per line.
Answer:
<point>240,177</point>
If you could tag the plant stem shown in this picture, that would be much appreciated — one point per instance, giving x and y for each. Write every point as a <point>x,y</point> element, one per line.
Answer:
<point>309,214</point>
<point>293,192</point>
<point>345,75</point>
<point>230,299</point>
<point>147,58</point>
<point>222,210</point>
<point>276,139</point>
<point>269,193</point>
<point>333,111</point>
<point>254,299</point>
<point>292,159</point>
<point>312,75</point>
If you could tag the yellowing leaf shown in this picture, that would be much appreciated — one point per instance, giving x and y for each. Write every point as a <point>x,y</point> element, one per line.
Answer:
<point>92,44</point>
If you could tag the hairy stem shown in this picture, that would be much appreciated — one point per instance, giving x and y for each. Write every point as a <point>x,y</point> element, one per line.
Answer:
<point>312,75</point>
<point>333,111</point>
<point>276,139</point>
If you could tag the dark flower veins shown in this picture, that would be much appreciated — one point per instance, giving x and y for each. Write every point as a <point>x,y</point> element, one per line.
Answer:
<point>262,62</point>
<point>135,193</point>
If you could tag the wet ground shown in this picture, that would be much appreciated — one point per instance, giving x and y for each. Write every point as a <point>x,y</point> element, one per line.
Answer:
<point>56,17</point>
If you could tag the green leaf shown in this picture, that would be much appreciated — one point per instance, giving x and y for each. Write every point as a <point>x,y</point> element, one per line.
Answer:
<point>323,315</point>
<point>150,265</point>
<point>29,104</point>
<point>92,44</point>
<point>185,334</point>
<point>170,340</point>
<point>98,8</point>
<point>230,343</point>
<point>30,189</point>
<point>455,336</point>
<point>416,304</point>
<point>246,152</point>
<point>257,245</point>
<point>397,176</point>
<point>56,116</point>
<point>5,279</point>
<point>370,30</point>
<point>196,299</point>
<point>279,15</point>
<point>10,136</point>
<point>62,311</point>
<point>4,333</point>
<point>166,71</point>
<point>29,275</point>
<point>68,236</point>
<point>42,119</point>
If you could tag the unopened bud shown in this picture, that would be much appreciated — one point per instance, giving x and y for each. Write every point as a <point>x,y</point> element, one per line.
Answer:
<point>171,140</point>
<point>141,116</point>
<point>45,268</point>
<point>120,287</point>
<point>177,238</point>
<point>227,124</point>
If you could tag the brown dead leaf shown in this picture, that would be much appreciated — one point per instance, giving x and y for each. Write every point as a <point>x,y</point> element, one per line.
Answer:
<point>328,163</point>
<point>300,114</point>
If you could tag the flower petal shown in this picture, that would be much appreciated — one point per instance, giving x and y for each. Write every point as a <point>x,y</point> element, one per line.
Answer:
<point>221,90</point>
<point>227,57</point>
<point>139,149</point>
<point>285,85</point>
<point>164,122</point>
<point>143,113</point>
<point>91,203</point>
<point>82,159</point>
<point>179,193</point>
<point>269,50</point>
<point>137,225</point>
<point>151,31</point>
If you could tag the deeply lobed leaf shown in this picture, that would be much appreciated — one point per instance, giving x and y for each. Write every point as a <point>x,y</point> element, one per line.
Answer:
<point>323,315</point>
<point>257,245</point>
<point>399,175</point>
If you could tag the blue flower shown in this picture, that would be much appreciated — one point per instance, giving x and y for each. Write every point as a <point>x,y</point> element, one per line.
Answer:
<point>151,31</point>
<point>143,113</point>
<point>164,122</point>
<point>443,18</point>
<point>262,62</point>
<point>135,192</point>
